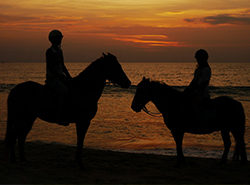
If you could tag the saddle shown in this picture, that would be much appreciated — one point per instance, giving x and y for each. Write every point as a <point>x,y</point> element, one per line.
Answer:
<point>49,89</point>
<point>203,113</point>
<point>208,110</point>
<point>48,97</point>
<point>51,94</point>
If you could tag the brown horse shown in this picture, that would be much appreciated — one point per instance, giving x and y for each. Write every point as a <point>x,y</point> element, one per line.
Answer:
<point>230,116</point>
<point>30,100</point>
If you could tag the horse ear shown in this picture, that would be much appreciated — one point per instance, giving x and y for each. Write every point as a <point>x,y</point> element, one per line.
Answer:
<point>145,79</point>
<point>104,55</point>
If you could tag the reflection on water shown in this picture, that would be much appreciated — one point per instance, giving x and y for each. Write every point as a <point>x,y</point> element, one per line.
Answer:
<point>116,126</point>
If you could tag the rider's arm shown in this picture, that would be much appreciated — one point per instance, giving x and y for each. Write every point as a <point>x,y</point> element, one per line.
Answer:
<point>65,70</point>
<point>51,63</point>
<point>204,79</point>
<point>190,89</point>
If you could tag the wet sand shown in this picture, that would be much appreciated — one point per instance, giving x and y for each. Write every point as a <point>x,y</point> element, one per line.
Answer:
<point>53,164</point>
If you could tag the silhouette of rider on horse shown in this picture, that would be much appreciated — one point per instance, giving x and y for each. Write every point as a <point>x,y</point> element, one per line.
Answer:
<point>57,74</point>
<point>197,93</point>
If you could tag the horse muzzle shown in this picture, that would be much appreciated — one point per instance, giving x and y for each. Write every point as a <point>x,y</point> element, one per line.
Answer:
<point>136,109</point>
<point>126,84</point>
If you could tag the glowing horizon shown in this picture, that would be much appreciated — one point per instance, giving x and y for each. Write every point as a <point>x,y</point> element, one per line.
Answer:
<point>142,28</point>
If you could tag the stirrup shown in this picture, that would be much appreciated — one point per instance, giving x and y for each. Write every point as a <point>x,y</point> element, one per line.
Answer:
<point>63,123</point>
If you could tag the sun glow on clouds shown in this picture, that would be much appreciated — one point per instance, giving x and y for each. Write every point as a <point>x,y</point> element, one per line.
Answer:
<point>137,23</point>
<point>149,40</point>
<point>110,13</point>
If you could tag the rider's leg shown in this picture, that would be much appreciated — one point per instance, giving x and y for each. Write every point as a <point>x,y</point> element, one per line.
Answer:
<point>62,90</point>
<point>61,104</point>
<point>60,107</point>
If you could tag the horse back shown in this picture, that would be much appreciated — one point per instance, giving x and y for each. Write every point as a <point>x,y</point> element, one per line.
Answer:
<point>24,93</point>
<point>31,97</point>
<point>218,113</point>
<point>230,110</point>
<point>19,100</point>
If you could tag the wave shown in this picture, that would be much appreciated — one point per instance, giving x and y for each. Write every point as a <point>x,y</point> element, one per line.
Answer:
<point>214,89</point>
<point>6,87</point>
<point>241,93</point>
<point>187,151</point>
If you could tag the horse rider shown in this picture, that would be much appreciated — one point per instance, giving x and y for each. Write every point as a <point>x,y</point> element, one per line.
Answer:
<point>197,92</point>
<point>57,74</point>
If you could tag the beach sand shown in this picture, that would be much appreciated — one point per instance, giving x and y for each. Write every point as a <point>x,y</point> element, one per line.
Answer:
<point>54,164</point>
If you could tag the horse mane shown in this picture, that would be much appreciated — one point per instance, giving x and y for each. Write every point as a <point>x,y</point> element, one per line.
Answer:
<point>89,69</point>
<point>165,88</point>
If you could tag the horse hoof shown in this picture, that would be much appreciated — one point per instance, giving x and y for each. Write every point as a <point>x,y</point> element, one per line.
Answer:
<point>179,164</point>
<point>23,160</point>
<point>243,162</point>
<point>13,160</point>
<point>81,166</point>
<point>222,162</point>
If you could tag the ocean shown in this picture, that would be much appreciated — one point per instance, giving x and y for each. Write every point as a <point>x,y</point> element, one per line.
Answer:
<point>116,126</point>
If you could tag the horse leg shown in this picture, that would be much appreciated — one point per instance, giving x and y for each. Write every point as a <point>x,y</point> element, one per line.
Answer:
<point>243,153</point>
<point>227,144</point>
<point>22,137</point>
<point>81,129</point>
<point>11,142</point>
<point>240,147</point>
<point>11,135</point>
<point>236,155</point>
<point>178,137</point>
<point>11,147</point>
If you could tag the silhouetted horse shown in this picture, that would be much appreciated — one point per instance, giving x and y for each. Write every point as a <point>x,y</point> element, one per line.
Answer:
<point>30,100</point>
<point>230,116</point>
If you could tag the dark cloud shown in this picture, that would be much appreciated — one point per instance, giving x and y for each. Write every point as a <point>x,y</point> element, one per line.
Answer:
<point>191,20</point>
<point>222,19</point>
<point>43,19</point>
<point>7,18</point>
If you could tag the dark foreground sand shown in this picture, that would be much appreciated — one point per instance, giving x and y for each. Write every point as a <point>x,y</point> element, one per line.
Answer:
<point>53,164</point>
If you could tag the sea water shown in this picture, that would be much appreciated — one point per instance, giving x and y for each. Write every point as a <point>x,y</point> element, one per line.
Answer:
<point>116,126</point>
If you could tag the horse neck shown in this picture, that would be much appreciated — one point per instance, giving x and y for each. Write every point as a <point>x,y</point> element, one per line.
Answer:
<point>165,97</point>
<point>92,78</point>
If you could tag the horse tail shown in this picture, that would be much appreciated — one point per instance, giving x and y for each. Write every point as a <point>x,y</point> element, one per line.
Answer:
<point>242,117</point>
<point>240,147</point>
<point>9,137</point>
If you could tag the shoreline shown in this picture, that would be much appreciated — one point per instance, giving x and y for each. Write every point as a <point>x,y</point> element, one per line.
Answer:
<point>191,151</point>
<point>53,164</point>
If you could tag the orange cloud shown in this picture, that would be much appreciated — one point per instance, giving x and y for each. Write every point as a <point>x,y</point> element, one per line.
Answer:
<point>222,19</point>
<point>117,24</point>
<point>149,40</point>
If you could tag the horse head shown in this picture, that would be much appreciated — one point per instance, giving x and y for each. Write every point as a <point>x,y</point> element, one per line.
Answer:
<point>142,95</point>
<point>114,71</point>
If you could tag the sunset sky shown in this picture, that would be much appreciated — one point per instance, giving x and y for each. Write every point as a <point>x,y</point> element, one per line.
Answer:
<point>133,30</point>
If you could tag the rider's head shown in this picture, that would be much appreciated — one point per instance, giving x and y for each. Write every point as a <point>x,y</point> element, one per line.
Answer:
<point>55,37</point>
<point>201,56</point>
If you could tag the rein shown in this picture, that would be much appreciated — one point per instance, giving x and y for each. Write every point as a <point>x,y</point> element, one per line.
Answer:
<point>154,114</point>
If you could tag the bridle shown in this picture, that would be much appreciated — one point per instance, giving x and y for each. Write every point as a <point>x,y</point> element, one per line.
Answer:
<point>110,79</point>
<point>154,114</point>
<point>144,108</point>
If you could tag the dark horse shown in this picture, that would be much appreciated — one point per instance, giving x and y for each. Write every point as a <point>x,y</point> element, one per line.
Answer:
<point>230,116</point>
<point>30,100</point>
